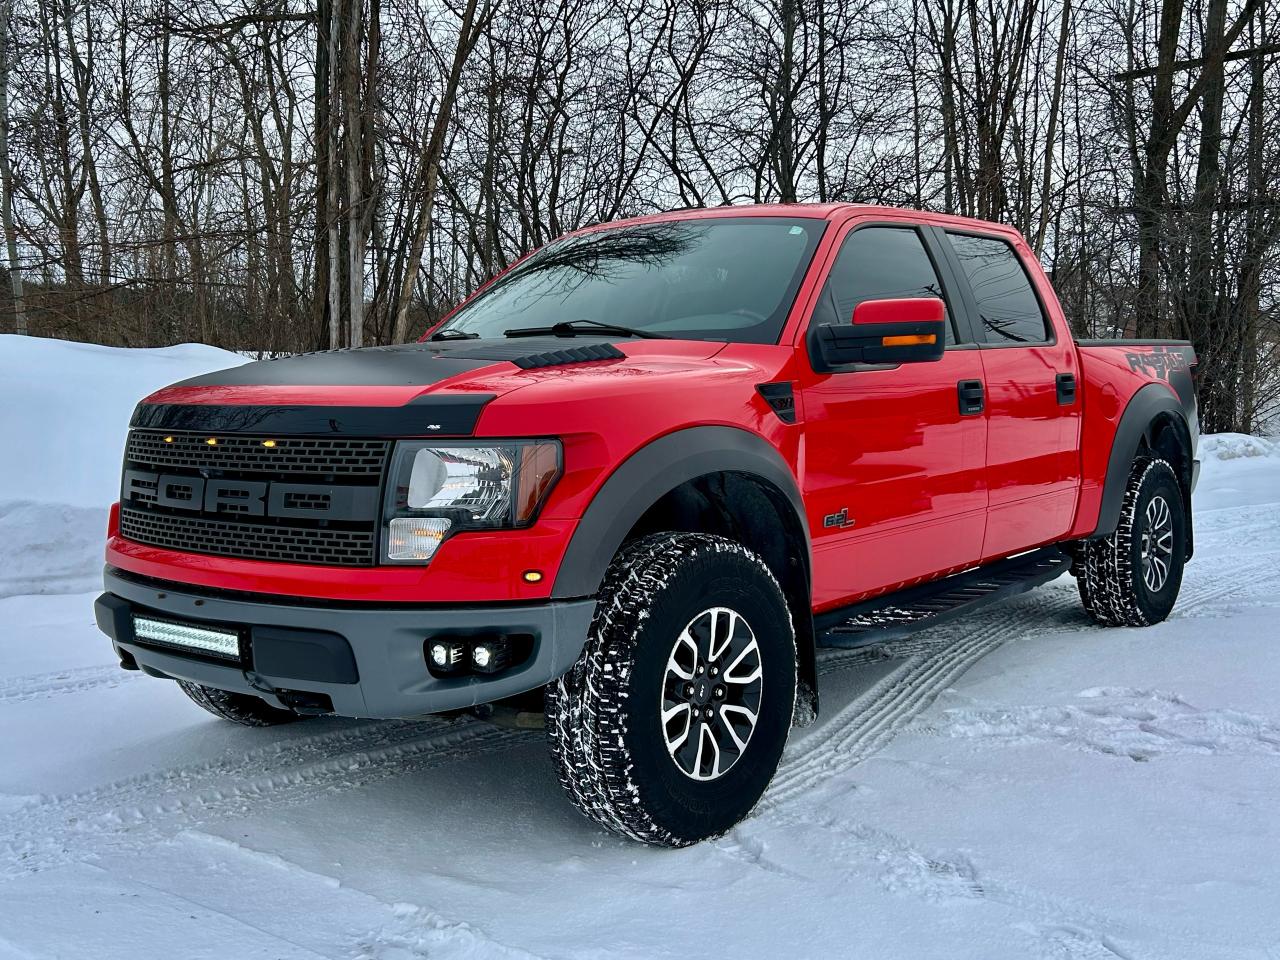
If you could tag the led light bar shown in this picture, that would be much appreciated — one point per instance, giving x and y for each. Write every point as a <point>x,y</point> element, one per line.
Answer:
<point>207,640</point>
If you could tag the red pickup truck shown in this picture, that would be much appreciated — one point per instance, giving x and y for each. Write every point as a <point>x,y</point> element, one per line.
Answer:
<point>637,479</point>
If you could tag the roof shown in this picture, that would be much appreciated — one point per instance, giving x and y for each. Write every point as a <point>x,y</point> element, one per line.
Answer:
<point>825,211</point>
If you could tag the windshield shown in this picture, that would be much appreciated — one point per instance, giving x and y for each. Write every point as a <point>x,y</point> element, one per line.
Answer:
<point>721,278</point>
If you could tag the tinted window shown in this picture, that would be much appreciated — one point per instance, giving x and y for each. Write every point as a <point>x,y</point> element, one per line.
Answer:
<point>1008,310</point>
<point>878,263</point>
<point>722,278</point>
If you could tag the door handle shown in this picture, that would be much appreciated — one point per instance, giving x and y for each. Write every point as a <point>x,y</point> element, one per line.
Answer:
<point>1066,388</point>
<point>972,397</point>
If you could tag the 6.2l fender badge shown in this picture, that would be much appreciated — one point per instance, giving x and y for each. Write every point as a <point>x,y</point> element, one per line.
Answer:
<point>842,520</point>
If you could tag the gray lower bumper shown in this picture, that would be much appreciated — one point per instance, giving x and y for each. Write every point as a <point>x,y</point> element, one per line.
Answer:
<point>383,675</point>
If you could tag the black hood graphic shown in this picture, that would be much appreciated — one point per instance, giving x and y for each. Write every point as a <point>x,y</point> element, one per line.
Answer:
<point>406,364</point>
<point>409,364</point>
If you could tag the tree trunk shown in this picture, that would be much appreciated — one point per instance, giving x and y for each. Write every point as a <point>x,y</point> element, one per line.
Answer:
<point>429,169</point>
<point>334,268</point>
<point>6,176</point>
<point>785,135</point>
<point>353,141</point>
<point>1055,109</point>
<point>1200,308</point>
<point>322,320</point>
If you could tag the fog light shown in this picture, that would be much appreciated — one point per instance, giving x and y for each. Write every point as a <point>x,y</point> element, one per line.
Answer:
<point>415,538</point>
<point>490,656</point>
<point>447,656</point>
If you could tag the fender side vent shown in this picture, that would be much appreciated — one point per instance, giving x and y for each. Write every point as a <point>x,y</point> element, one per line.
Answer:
<point>781,399</point>
<point>558,358</point>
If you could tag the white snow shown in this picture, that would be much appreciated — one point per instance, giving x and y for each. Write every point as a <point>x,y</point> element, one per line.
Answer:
<point>1233,446</point>
<point>66,407</point>
<point>1021,784</point>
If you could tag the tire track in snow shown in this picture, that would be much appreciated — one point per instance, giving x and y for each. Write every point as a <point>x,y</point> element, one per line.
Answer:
<point>934,660</point>
<point>1234,578</point>
<point>43,686</point>
<point>874,717</point>
<point>143,810</point>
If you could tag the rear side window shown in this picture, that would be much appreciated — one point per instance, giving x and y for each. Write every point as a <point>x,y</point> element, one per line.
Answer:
<point>1008,310</point>
<point>878,263</point>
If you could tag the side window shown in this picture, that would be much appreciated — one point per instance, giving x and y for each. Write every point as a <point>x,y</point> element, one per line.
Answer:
<point>1008,309</point>
<point>878,263</point>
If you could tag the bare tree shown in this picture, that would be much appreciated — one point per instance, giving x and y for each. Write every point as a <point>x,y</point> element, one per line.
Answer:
<point>282,175</point>
<point>6,175</point>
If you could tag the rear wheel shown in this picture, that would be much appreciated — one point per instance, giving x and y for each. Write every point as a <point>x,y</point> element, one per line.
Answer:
<point>670,726</point>
<point>1132,577</point>
<point>239,708</point>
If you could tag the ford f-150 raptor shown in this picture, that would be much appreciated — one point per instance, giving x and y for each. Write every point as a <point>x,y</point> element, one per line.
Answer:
<point>635,480</point>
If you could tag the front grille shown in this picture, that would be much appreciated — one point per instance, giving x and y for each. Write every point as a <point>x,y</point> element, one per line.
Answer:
<point>238,454</point>
<point>253,541</point>
<point>285,499</point>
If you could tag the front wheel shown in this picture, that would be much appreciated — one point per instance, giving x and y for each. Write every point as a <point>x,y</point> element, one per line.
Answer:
<point>1132,577</point>
<point>671,724</point>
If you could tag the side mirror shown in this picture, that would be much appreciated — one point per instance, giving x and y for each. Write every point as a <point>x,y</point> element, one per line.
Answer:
<point>883,331</point>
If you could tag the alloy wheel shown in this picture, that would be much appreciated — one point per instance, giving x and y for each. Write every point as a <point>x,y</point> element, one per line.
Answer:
<point>1157,544</point>
<point>711,693</point>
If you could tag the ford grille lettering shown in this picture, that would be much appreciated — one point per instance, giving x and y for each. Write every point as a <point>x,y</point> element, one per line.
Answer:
<point>248,498</point>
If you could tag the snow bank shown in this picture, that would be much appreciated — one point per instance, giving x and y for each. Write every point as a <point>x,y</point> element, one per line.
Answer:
<point>1234,446</point>
<point>64,410</point>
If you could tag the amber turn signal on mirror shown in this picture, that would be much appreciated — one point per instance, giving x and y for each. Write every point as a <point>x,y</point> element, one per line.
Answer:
<point>915,340</point>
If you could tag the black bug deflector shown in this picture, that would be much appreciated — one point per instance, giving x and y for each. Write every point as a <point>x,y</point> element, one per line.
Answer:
<point>430,415</point>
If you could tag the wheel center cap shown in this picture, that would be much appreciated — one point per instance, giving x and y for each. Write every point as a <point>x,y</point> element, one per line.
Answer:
<point>701,691</point>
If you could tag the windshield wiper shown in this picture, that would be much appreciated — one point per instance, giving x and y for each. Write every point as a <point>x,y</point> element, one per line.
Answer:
<point>448,334</point>
<point>571,328</point>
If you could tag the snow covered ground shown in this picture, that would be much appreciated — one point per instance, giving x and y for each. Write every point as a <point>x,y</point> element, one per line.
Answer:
<point>1019,785</point>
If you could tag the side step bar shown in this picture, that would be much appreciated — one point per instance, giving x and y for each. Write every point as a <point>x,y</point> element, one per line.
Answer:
<point>915,608</point>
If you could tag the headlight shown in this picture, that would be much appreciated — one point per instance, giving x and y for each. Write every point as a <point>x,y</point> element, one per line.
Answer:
<point>437,489</point>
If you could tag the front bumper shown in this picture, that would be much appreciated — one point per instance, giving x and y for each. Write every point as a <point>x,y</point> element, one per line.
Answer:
<point>368,660</point>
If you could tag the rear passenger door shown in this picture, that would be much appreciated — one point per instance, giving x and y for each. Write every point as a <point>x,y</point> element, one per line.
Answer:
<point>1033,388</point>
<point>894,461</point>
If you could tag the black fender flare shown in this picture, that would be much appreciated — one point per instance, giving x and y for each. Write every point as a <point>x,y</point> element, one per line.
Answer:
<point>654,471</point>
<point>1146,408</point>
<point>660,467</point>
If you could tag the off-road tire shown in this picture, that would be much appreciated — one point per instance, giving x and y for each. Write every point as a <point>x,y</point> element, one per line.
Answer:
<point>1109,570</point>
<point>241,708</point>
<point>603,716</point>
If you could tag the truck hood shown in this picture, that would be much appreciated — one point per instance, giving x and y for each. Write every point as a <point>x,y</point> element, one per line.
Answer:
<point>358,390</point>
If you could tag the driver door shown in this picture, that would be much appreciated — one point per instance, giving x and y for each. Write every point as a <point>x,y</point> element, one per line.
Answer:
<point>894,461</point>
